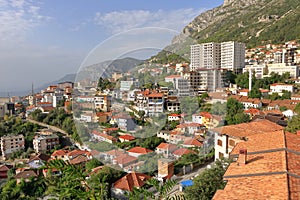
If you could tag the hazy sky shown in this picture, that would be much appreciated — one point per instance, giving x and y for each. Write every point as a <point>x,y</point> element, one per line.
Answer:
<point>41,41</point>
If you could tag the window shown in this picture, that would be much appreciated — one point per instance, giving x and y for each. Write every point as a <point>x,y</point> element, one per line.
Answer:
<point>231,142</point>
<point>220,142</point>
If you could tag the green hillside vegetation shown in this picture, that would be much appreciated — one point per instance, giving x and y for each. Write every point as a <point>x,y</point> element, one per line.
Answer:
<point>277,22</point>
<point>252,22</point>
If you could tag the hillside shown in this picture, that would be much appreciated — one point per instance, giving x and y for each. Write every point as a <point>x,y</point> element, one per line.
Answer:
<point>253,22</point>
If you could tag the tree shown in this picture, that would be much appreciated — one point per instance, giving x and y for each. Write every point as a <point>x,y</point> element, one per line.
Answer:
<point>297,108</point>
<point>208,182</point>
<point>162,189</point>
<point>255,93</point>
<point>235,112</point>
<point>293,124</point>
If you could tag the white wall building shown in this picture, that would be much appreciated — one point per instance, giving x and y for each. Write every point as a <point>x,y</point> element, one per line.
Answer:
<point>279,88</point>
<point>282,68</point>
<point>258,70</point>
<point>232,56</point>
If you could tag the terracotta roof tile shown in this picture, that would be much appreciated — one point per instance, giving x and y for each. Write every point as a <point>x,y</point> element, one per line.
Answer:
<point>127,137</point>
<point>139,150</point>
<point>247,129</point>
<point>131,180</point>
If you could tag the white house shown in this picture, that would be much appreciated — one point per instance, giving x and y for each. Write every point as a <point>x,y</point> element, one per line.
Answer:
<point>280,87</point>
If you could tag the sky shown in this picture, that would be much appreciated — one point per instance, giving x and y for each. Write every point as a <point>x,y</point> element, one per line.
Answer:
<point>43,40</point>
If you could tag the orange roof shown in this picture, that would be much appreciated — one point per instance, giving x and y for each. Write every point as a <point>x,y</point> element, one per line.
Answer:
<point>271,169</point>
<point>182,151</point>
<point>127,137</point>
<point>206,115</point>
<point>125,159</point>
<point>114,152</point>
<point>79,152</point>
<point>174,115</point>
<point>193,142</point>
<point>131,180</point>
<point>173,76</point>
<point>139,150</point>
<point>156,95</point>
<point>166,146</point>
<point>78,160</point>
<point>60,153</point>
<point>247,129</point>
<point>252,111</point>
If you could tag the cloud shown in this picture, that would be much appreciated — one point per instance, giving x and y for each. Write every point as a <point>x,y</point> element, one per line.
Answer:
<point>17,17</point>
<point>119,21</point>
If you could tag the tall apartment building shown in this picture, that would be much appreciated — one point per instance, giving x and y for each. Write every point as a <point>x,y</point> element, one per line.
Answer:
<point>11,143</point>
<point>206,55</point>
<point>211,60</point>
<point>233,56</point>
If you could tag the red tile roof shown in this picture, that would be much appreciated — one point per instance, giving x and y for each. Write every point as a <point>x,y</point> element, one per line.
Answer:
<point>271,170</point>
<point>127,137</point>
<point>60,153</point>
<point>166,146</point>
<point>139,150</point>
<point>79,152</point>
<point>125,159</point>
<point>182,151</point>
<point>131,180</point>
<point>247,129</point>
<point>193,142</point>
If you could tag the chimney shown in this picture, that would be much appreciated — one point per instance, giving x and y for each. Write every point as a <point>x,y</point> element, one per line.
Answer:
<point>298,132</point>
<point>243,157</point>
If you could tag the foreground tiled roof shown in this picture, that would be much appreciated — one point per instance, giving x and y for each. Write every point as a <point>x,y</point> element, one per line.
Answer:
<point>271,170</point>
<point>131,180</point>
<point>247,129</point>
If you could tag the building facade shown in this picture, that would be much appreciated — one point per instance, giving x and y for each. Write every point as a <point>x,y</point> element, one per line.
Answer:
<point>11,144</point>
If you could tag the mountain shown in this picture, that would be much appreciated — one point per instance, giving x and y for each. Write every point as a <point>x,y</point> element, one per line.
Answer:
<point>254,22</point>
<point>106,68</point>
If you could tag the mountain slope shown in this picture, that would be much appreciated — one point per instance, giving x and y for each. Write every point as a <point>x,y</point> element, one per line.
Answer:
<point>254,22</point>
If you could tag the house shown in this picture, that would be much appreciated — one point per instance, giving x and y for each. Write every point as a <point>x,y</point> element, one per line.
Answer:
<point>103,137</point>
<point>182,151</point>
<point>204,118</point>
<point>4,168</point>
<point>103,102</point>
<point>279,88</point>
<point>190,128</point>
<point>45,142</point>
<point>174,117</point>
<point>112,154</point>
<point>137,151</point>
<point>38,161</point>
<point>165,149</point>
<point>127,183</point>
<point>11,143</point>
<point>79,160</point>
<point>124,122</point>
<point>227,137</point>
<point>194,142</point>
<point>25,175</point>
<point>265,167</point>
<point>60,154</point>
<point>73,154</point>
<point>155,105</point>
<point>124,160</point>
<point>126,138</point>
